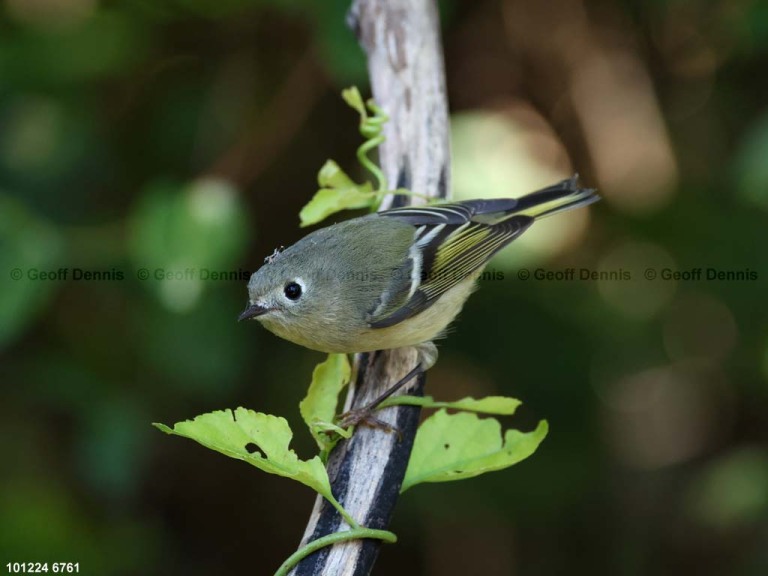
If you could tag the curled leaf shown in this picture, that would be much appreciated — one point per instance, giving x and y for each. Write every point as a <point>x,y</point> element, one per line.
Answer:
<point>338,192</point>
<point>353,98</point>
<point>456,446</point>
<point>318,407</point>
<point>332,176</point>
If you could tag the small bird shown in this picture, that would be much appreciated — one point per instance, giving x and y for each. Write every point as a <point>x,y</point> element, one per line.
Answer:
<point>393,278</point>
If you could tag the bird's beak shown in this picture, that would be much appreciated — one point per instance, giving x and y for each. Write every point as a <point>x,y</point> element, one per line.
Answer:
<point>252,311</point>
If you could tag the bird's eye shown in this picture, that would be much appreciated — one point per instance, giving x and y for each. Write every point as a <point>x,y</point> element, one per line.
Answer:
<point>292,291</point>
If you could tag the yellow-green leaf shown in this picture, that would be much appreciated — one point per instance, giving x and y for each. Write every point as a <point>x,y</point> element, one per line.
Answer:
<point>332,176</point>
<point>338,192</point>
<point>353,98</point>
<point>318,407</point>
<point>498,405</point>
<point>501,405</point>
<point>260,439</point>
<point>456,446</point>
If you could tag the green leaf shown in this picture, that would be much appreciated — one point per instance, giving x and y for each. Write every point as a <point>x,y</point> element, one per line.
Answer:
<point>319,406</point>
<point>332,176</point>
<point>456,446</point>
<point>498,405</point>
<point>338,192</point>
<point>355,100</point>
<point>260,439</point>
<point>327,201</point>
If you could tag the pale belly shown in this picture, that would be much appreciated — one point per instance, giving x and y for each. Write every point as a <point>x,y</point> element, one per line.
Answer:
<point>423,327</point>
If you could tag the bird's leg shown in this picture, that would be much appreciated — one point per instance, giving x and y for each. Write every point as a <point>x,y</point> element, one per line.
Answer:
<point>364,415</point>
<point>427,354</point>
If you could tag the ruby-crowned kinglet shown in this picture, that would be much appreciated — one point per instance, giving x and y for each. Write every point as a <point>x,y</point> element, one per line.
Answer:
<point>394,278</point>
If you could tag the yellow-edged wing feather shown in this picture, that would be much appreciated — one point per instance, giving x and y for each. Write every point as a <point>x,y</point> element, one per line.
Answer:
<point>452,241</point>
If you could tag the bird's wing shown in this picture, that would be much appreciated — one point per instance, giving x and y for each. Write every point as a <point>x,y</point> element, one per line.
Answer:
<point>455,213</point>
<point>452,241</point>
<point>448,247</point>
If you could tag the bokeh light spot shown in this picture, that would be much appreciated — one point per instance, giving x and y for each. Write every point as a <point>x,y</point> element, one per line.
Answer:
<point>699,326</point>
<point>732,491</point>
<point>666,415</point>
<point>509,153</point>
<point>51,14</point>
<point>212,201</point>
<point>638,297</point>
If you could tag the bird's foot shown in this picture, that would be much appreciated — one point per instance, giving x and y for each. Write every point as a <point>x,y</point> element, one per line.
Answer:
<point>364,415</point>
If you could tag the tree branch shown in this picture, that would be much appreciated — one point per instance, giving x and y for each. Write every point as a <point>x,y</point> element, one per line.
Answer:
<point>402,41</point>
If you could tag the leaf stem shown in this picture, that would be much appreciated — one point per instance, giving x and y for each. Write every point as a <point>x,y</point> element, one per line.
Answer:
<point>344,514</point>
<point>335,538</point>
<point>405,192</point>
<point>362,157</point>
<point>371,127</point>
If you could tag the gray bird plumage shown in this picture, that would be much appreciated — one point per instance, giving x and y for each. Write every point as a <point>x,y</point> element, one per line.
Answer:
<point>394,278</point>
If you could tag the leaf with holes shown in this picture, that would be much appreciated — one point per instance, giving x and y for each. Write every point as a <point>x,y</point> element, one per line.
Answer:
<point>262,440</point>
<point>319,405</point>
<point>456,446</point>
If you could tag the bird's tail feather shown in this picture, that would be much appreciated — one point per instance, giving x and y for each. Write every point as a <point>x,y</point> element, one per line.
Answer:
<point>559,197</point>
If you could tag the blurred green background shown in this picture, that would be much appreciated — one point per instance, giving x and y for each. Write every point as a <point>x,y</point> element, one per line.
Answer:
<point>165,137</point>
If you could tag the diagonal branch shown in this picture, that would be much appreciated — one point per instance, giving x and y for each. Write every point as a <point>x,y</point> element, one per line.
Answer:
<point>402,41</point>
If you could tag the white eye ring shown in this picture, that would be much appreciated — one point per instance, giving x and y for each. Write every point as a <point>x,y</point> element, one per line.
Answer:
<point>294,289</point>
